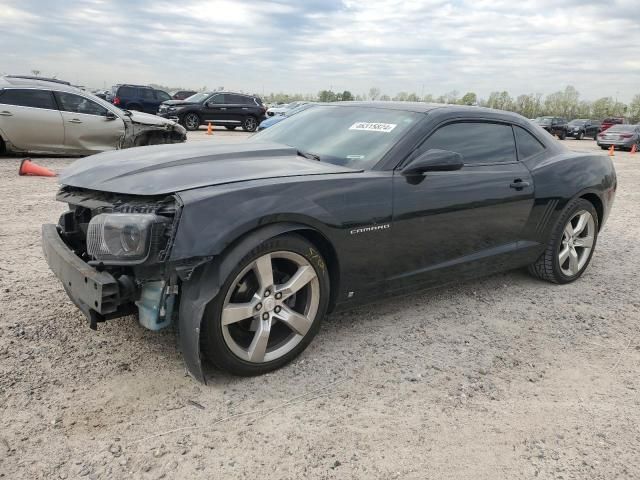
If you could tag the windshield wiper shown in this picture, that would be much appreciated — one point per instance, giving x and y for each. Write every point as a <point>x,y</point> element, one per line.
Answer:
<point>309,155</point>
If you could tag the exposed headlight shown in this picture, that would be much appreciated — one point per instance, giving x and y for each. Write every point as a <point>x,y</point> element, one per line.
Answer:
<point>123,238</point>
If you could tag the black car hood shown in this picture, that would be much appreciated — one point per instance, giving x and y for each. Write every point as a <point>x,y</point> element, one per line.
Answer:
<point>163,169</point>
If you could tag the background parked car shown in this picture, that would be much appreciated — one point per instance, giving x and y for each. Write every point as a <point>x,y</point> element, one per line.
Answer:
<point>269,122</point>
<point>583,127</point>
<point>182,94</point>
<point>226,109</point>
<point>620,136</point>
<point>282,109</point>
<point>140,98</point>
<point>554,125</point>
<point>39,116</point>
<point>608,122</point>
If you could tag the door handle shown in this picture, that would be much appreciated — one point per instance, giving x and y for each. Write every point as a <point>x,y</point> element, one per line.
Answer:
<point>518,184</point>
<point>75,120</point>
<point>6,114</point>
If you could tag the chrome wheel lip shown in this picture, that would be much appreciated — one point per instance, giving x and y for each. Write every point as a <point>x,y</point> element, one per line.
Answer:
<point>578,238</point>
<point>266,298</point>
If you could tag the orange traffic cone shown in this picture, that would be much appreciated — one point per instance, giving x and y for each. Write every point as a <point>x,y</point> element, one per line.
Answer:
<point>209,129</point>
<point>611,150</point>
<point>634,149</point>
<point>27,167</point>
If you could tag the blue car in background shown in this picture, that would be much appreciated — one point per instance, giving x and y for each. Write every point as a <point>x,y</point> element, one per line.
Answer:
<point>278,118</point>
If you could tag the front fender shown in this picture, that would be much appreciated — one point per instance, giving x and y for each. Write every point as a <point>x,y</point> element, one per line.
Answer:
<point>203,286</point>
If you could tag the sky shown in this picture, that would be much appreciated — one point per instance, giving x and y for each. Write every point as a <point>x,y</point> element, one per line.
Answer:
<point>421,46</point>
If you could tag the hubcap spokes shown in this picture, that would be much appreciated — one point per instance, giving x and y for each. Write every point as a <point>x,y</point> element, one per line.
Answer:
<point>577,241</point>
<point>272,307</point>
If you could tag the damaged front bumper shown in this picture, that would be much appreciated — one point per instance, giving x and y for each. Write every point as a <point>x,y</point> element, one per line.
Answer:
<point>99,295</point>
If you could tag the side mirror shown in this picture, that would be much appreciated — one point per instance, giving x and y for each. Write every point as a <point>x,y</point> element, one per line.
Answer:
<point>110,115</point>
<point>434,161</point>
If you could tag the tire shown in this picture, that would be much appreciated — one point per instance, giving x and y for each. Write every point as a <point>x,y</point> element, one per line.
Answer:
<point>191,121</point>
<point>595,136</point>
<point>550,266</point>
<point>249,124</point>
<point>562,135</point>
<point>231,343</point>
<point>580,136</point>
<point>230,127</point>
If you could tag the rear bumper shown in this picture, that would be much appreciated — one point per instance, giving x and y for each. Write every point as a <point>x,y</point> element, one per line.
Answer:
<point>616,143</point>
<point>96,293</point>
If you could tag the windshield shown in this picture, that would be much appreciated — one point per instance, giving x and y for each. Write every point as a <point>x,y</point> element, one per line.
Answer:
<point>544,120</point>
<point>356,137</point>
<point>577,123</point>
<point>198,97</point>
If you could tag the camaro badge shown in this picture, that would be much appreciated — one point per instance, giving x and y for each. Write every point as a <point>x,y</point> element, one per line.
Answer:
<point>372,228</point>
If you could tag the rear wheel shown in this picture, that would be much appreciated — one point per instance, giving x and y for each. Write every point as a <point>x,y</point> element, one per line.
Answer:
<point>571,244</point>
<point>191,121</point>
<point>269,308</point>
<point>250,124</point>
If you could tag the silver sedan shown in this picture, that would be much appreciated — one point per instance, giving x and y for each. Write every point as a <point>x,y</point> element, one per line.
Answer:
<point>48,116</point>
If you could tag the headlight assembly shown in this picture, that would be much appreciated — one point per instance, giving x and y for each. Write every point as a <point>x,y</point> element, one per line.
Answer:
<point>124,238</point>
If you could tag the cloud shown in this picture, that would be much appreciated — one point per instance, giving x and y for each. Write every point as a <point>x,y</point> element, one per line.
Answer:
<point>428,46</point>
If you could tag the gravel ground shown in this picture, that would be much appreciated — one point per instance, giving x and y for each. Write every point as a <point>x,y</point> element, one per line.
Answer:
<point>503,377</point>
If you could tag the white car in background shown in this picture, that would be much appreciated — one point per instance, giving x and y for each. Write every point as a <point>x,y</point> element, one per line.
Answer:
<point>282,109</point>
<point>51,116</point>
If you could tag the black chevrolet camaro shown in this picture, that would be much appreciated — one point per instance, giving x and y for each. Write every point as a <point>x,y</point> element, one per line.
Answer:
<point>247,246</point>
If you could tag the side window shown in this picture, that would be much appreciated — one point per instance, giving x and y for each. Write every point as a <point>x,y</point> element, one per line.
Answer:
<point>146,94</point>
<point>217,99</point>
<point>528,145</point>
<point>28,98</point>
<point>126,92</point>
<point>77,104</point>
<point>477,142</point>
<point>162,96</point>
<point>234,99</point>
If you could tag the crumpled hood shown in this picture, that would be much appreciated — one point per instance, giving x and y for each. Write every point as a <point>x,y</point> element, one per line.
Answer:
<point>148,119</point>
<point>163,169</point>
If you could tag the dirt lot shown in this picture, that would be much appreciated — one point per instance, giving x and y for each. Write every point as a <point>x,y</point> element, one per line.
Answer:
<point>504,377</point>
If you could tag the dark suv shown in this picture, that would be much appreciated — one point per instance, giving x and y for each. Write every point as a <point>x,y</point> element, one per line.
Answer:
<point>583,127</point>
<point>227,109</point>
<point>137,97</point>
<point>554,125</point>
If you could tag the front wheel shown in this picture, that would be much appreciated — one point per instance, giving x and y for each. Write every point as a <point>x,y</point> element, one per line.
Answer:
<point>191,121</point>
<point>249,124</point>
<point>562,135</point>
<point>268,309</point>
<point>571,244</point>
<point>580,136</point>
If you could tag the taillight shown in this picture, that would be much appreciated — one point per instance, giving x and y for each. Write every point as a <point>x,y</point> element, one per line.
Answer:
<point>116,100</point>
<point>626,135</point>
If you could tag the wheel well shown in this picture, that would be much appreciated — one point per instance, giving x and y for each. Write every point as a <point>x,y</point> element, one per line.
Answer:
<point>597,203</point>
<point>330,256</point>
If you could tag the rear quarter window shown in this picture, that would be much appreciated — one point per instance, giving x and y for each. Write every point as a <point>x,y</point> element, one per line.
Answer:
<point>527,144</point>
<point>126,92</point>
<point>28,98</point>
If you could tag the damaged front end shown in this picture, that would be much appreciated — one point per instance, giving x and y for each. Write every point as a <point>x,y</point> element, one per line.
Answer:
<point>143,129</point>
<point>110,251</point>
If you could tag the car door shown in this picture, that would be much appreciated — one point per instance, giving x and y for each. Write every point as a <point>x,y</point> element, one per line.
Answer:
<point>216,109</point>
<point>87,126</point>
<point>453,223</point>
<point>148,100</point>
<point>238,108</point>
<point>30,120</point>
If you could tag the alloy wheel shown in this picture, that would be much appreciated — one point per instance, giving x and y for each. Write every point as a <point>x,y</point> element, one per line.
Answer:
<point>250,124</point>
<point>192,121</point>
<point>270,306</point>
<point>577,241</point>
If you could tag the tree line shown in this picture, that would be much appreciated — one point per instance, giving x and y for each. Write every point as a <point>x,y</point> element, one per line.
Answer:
<point>564,103</point>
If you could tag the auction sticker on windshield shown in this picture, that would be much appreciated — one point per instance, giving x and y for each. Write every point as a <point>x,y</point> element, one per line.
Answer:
<point>373,127</point>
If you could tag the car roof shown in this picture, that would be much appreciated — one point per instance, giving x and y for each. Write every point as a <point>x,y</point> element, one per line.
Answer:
<point>9,81</point>
<point>421,107</point>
